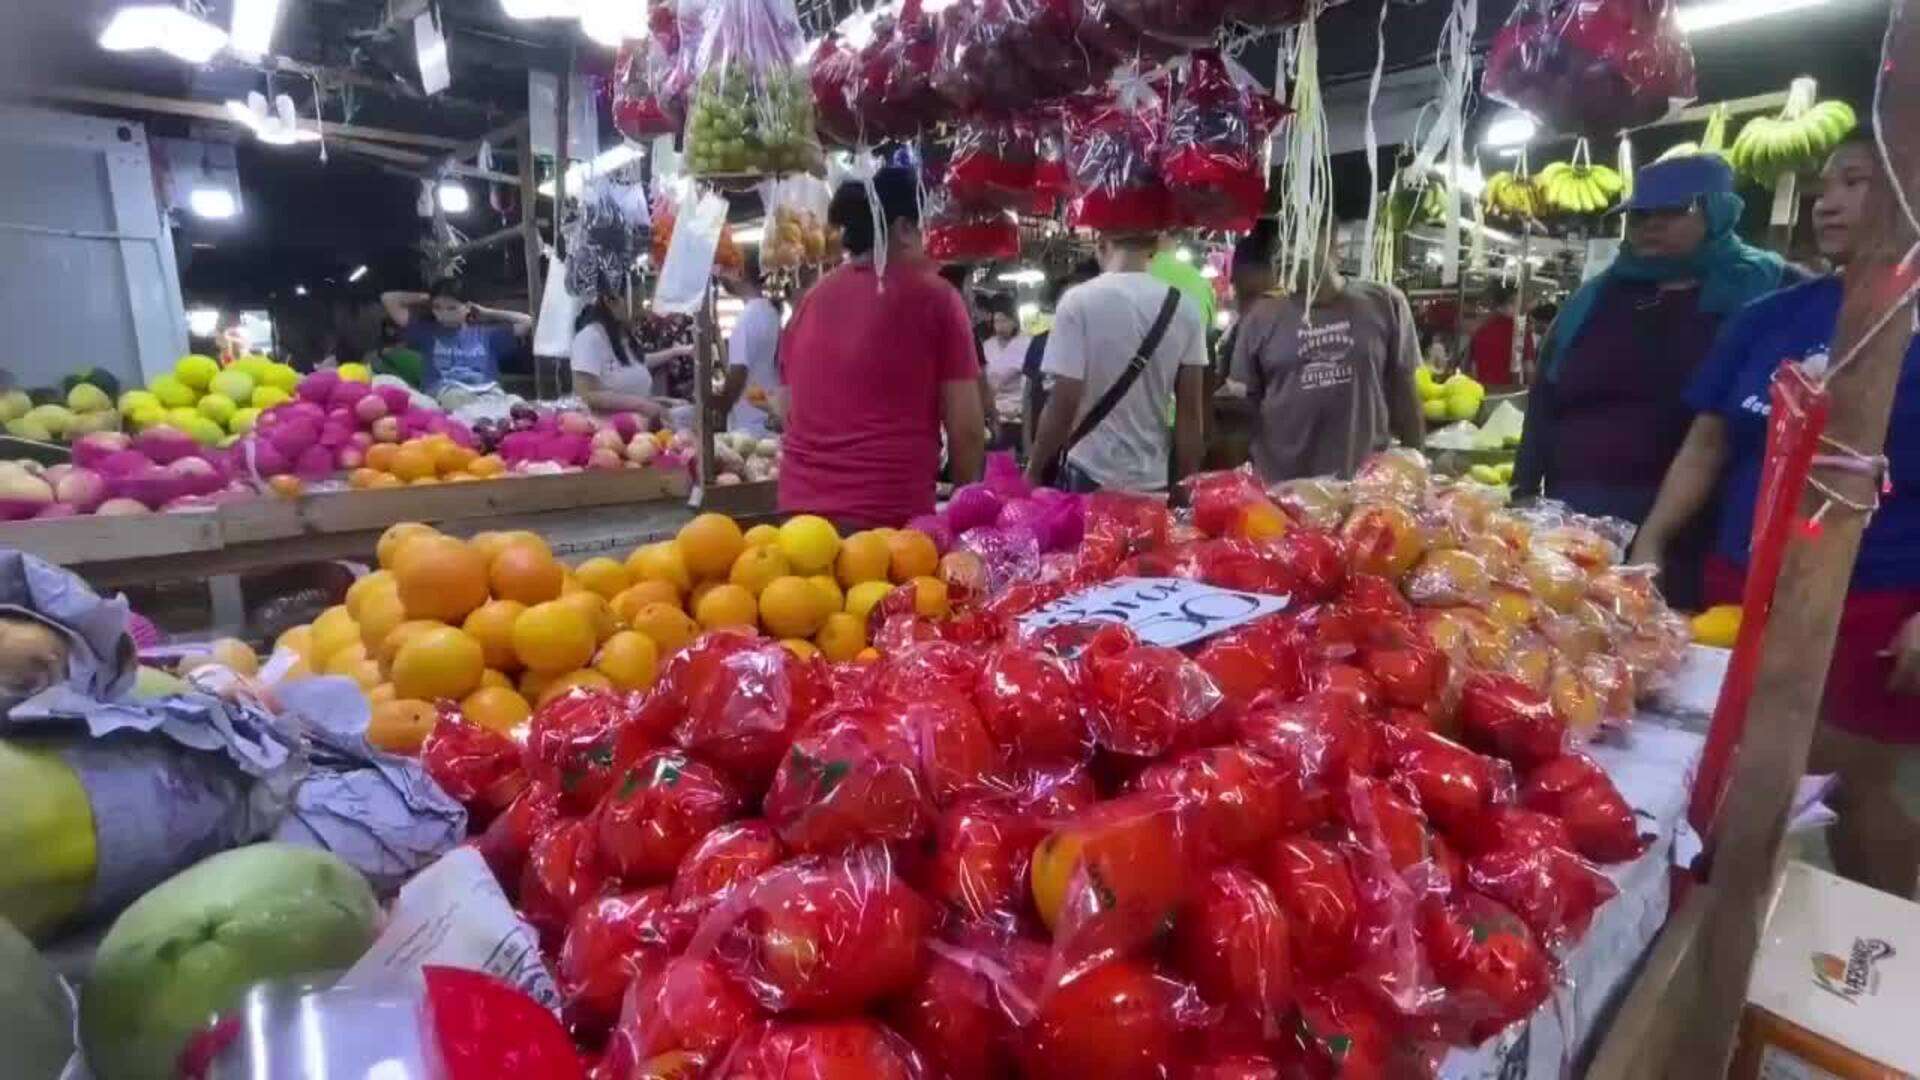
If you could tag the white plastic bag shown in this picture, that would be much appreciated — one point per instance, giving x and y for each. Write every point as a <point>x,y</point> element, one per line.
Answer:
<point>689,263</point>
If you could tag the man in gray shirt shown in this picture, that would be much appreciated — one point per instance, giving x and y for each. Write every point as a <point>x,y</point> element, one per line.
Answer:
<point>1332,383</point>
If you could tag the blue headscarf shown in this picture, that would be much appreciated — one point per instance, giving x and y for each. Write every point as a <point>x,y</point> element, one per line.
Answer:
<point>1730,271</point>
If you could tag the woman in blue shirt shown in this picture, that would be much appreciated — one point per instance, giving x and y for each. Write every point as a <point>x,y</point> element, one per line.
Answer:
<point>1871,712</point>
<point>463,343</point>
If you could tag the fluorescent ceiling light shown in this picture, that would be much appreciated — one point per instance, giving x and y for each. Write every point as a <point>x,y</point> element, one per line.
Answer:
<point>752,234</point>
<point>1027,310</point>
<point>1510,128</point>
<point>163,27</point>
<point>454,198</point>
<point>299,290</point>
<point>253,24</point>
<point>540,9</point>
<point>1209,271</point>
<point>213,203</point>
<point>605,162</point>
<point>1028,276</point>
<point>614,22</point>
<point>1717,13</point>
<point>203,321</point>
<point>280,127</point>
<point>358,273</point>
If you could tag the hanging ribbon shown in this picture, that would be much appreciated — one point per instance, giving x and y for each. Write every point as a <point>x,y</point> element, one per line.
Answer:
<point>1370,266</point>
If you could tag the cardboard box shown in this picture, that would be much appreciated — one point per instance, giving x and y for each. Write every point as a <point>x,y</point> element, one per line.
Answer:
<point>1835,991</point>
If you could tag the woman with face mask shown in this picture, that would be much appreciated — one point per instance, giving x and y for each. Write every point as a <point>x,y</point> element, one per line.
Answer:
<point>1870,716</point>
<point>1605,416</point>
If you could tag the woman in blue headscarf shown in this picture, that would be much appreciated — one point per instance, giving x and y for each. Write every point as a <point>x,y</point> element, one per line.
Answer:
<point>1607,416</point>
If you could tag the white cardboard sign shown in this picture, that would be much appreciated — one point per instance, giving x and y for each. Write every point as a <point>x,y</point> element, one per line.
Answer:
<point>1163,611</point>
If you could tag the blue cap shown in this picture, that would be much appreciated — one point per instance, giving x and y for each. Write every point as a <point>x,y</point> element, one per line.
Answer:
<point>1678,182</point>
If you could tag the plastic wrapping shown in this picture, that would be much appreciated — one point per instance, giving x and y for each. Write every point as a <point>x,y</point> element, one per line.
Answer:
<point>979,865</point>
<point>952,1017</point>
<point>1599,823</point>
<point>853,779</point>
<point>563,872</point>
<point>571,746</point>
<point>894,96</point>
<point>657,810</point>
<point>480,768</point>
<point>1491,964</point>
<point>482,1027</point>
<point>1187,23</point>
<point>822,1050</point>
<point>1118,1019</point>
<point>1146,699</point>
<point>796,231</point>
<point>650,79</point>
<point>612,941</point>
<point>1263,657</point>
<point>1315,889</point>
<point>992,164</point>
<point>683,1013</point>
<point>1232,941</point>
<point>1591,68</point>
<point>726,859</point>
<point>738,698</point>
<point>976,71</point>
<point>1217,127</point>
<point>1508,718</point>
<point>954,231</point>
<point>1106,879</point>
<point>1032,703</point>
<point>1314,743</point>
<point>1452,784</point>
<point>1113,140</point>
<point>752,109</point>
<point>1554,891</point>
<point>1320,502</point>
<point>1043,41</point>
<point>1383,538</point>
<point>1449,578</point>
<point>1231,799</point>
<point>832,76</point>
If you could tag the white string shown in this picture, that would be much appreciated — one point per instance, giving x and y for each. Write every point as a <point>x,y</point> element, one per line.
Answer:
<point>1894,16</point>
<point>1307,173</point>
<point>1369,268</point>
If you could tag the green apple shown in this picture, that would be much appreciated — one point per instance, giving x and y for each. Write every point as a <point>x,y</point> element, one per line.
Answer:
<point>219,408</point>
<point>172,392</point>
<point>86,397</point>
<point>235,385</point>
<point>192,945</point>
<point>196,371</point>
<point>14,405</point>
<point>46,826</point>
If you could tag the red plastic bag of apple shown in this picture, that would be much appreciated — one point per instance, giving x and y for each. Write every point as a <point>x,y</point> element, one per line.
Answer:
<point>1452,784</point>
<point>1147,699</point>
<point>572,745</point>
<point>1119,1020</point>
<point>1315,889</point>
<point>563,871</point>
<point>1307,743</point>
<point>1137,522</point>
<point>1553,890</point>
<point>926,668</point>
<point>958,757</point>
<point>1594,68</point>
<point>510,837</point>
<point>730,856</point>
<point>1513,828</point>
<point>952,1018</point>
<point>1256,566</point>
<point>1032,703</point>
<point>1502,715</point>
<point>1341,1032</point>
<point>1493,967</point>
<point>1214,148</point>
<point>1218,499</point>
<point>482,1028</point>
<point>820,935</point>
<point>651,78</point>
<point>1315,563</point>
<point>479,768</point>
<point>892,96</point>
<point>832,76</point>
<point>1599,823</point>
<point>955,231</point>
<point>661,806</point>
<point>822,1050</point>
<point>1232,799</point>
<point>1113,152</point>
<point>611,942</point>
<point>1259,658</point>
<point>852,779</point>
<point>1388,838</point>
<point>742,703</point>
<point>683,1013</point>
<point>973,73</point>
<point>992,164</point>
<point>1232,942</point>
<point>1106,880</point>
<point>978,869</point>
<point>1411,674</point>
<point>1042,41</point>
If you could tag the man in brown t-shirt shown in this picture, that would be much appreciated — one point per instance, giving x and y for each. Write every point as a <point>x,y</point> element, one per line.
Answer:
<point>1333,386</point>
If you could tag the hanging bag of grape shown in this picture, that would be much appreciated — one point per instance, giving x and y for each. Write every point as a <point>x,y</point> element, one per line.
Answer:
<point>651,79</point>
<point>1217,126</point>
<point>752,109</point>
<point>1592,68</point>
<point>1113,158</point>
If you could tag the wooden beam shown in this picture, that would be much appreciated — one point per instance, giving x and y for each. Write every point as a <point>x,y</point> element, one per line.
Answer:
<point>492,239</point>
<point>512,131</point>
<point>1813,585</point>
<point>1737,106</point>
<point>203,110</point>
<point>394,87</point>
<point>1647,1025</point>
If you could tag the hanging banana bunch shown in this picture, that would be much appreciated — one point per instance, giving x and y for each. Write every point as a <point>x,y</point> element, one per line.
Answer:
<point>1797,140</point>
<point>1512,195</point>
<point>1713,141</point>
<point>1579,186</point>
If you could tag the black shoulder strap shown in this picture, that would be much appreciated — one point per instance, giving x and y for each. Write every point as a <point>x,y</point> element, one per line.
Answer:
<point>1141,358</point>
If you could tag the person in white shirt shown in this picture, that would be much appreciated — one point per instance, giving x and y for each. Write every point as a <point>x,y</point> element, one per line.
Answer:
<point>610,371</point>
<point>1099,328</point>
<point>1004,353</point>
<point>753,351</point>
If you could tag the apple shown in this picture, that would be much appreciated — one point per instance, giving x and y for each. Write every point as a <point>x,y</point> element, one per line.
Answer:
<point>834,936</point>
<point>371,407</point>
<point>660,807</point>
<point>386,429</point>
<point>611,942</point>
<point>1115,1022</point>
<point>1232,941</point>
<point>726,858</point>
<point>979,865</point>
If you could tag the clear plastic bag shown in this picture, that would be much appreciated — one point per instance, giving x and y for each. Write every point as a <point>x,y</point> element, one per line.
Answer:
<point>822,1050</point>
<point>1218,122</point>
<point>725,859</point>
<point>650,79</point>
<point>1599,821</point>
<point>752,108</point>
<point>1232,799</point>
<point>1591,68</point>
<point>1504,716</point>
<point>1233,942</point>
<point>796,230</point>
<point>976,72</point>
<point>611,942</point>
<point>992,164</point>
<point>1186,23</point>
<point>954,231</point>
<point>893,96</point>
<point>658,810</point>
<point>978,867</point>
<point>1113,158</point>
<point>1146,699</point>
<point>1106,880</point>
<point>833,76</point>
<point>852,780</point>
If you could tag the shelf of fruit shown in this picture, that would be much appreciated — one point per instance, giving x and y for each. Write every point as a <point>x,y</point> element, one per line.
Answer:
<point>763,789</point>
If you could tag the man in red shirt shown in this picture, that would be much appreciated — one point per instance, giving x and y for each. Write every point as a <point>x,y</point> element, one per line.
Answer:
<point>1490,353</point>
<point>876,365</point>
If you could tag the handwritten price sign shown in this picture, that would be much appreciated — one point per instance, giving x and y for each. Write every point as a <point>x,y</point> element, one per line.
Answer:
<point>1163,611</point>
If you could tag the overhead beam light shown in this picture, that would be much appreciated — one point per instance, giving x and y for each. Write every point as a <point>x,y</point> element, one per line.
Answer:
<point>253,24</point>
<point>213,203</point>
<point>299,290</point>
<point>163,27</point>
<point>202,322</point>
<point>1511,128</point>
<point>454,197</point>
<point>614,22</point>
<point>752,234</point>
<point>358,273</point>
<point>604,162</point>
<point>540,9</point>
<point>1028,276</point>
<point>1714,14</point>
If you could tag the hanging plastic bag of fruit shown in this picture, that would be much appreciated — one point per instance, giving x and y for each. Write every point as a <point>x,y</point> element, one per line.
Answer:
<point>833,69</point>
<point>752,108</point>
<point>993,164</point>
<point>976,71</point>
<point>955,231</point>
<point>1217,125</point>
<point>1187,23</point>
<point>650,76</point>
<point>1042,40</point>
<point>796,230</point>
<point>1592,68</point>
<point>893,96</point>
<point>1113,143</point>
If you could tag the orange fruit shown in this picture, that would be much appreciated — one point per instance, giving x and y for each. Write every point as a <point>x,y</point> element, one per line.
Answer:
<point>762,535</point>
<point>425,481</point>
<point>412,462</point>
<point>791,608</point>
<point>930,598</point>
<point>595,609</point>
<point>810,543</point>
<point>727,605</point>
<point>709,544</point>
<point>442,663</point>
<point>491,624</point>
<point>667,625</point>
<point>841,636</point>
<point>379,614</point>
<point>400,726</point>
<point>494,677</point>
<point>585,680</point>
<point>384,480</point>
<point>830,595</point>
<point>362,477</point>
<point>400,635</point>
<point>569,583</point>
<point>700,592</point>
<point>553,636</point>
<point>867,655</point>
<point>332,631</point>
<point>524,536</point>
<point>629,659</point>
<point>532,682</point>
<point>633,598</point>
<point>380,692</point>
<point>451,457</point>
<point>863,557</point>
<point>604,576</point>
<point>344,659</point>
<point>864,597</point>
<point>805,650</point>
<point>911,554</point>
<point>496,708</point>
<point>525,573</point>
<point>298,640</point>
<point>237,655</point>
<point>487,466</point>
<point>757,566</point>
<point>388,549</point>
<point>661,561</point>
<point>286,485</point>
<point>440,578</point>
<point>366,586</point>
<point>366,674</point>
<point>379,457</point>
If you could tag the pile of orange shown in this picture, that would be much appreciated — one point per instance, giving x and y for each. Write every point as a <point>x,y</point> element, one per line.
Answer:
<point>429,459</point>
<point>498,625</point>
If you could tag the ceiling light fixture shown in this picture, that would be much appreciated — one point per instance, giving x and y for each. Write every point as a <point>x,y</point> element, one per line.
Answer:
<point>1510,128</point>
<point>1717,13</point>
<point>540,9</point>
<point>614,22</point>
<point>213,203</point>
<point>163,27</point>
<point>1026,276</point>
<point>253,24</point>
<point>203,321</point>
<point>299,290</point>
<point>604,162</point>
<point>358,273</point>
<point>454,197</point>
<point>280,127</point>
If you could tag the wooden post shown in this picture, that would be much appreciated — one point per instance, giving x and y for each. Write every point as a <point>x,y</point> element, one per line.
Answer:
<point>530,220</point>
<point>1813,585</point>
<point>706,354</point>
